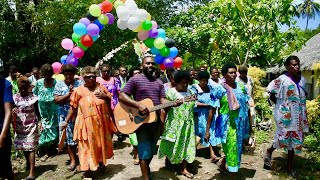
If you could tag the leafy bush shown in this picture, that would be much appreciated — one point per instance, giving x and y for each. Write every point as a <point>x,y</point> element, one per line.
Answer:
<point>312,141</point>
<point>263,110</point>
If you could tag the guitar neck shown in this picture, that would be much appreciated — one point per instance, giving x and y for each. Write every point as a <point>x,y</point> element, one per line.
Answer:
<point>161,106</point>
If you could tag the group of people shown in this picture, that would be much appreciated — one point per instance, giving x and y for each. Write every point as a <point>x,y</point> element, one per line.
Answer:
<point>42,109</point>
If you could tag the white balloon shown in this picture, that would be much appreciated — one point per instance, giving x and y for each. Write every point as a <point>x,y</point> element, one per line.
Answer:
<point>131,6</point>
<point>122,24</point>
<point>133,23</point>
<point>141,14</point>
<point>123,13</point>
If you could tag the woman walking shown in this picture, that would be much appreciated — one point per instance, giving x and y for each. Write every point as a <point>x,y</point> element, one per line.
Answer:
<point>290,112</point>
<point>178,139</point>
<point>205,109</point>
<point>62,93</point>
<point>232,122</point>
<point>49,131</point>
<point>93,126</point>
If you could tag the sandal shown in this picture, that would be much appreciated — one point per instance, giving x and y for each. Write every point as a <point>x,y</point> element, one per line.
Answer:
<point>293,173</point>
<point>44,158</point>
<point>267,161</point>
<point>187,175</point>
<point>136,161</point>
<point>72,167</point>
<point>215,160</point>
<point>222,167</point>
<point>30,178</point>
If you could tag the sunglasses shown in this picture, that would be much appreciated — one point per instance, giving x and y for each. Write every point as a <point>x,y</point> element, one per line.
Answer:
<point>89,77</point>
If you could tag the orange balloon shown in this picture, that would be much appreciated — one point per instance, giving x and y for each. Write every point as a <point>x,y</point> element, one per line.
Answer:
<point>177,62</point>
<point>106,6</point>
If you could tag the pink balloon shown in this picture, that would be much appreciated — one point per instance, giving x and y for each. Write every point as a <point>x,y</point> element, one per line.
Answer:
<point>143,35</point>
<point>154,24</point>
<point>67,44</point>
<point>56,66</point>
<point>78,52</point>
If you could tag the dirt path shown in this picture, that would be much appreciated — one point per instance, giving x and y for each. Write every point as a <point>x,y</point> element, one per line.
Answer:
<point>122,168</point>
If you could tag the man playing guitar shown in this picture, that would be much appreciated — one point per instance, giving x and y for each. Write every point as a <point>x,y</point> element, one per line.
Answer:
<point>141,87</point>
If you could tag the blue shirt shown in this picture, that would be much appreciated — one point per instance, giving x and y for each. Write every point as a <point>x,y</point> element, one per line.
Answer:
<point>6,96</point>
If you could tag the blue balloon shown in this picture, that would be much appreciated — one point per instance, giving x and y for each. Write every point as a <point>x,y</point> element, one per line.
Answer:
<point>80,29</point>
<point>101,26</point>
<point>173,52</point>
<point>63,59</point>
<point>159,59</point>
<point>162,33</point>
<point>94,38</point>
<point>155,51</point>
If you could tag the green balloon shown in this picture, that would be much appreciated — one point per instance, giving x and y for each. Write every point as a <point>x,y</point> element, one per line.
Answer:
<point>76,38</point>
<point>103,19</point>
<point>95,10</point>
<point>149,42</point>
<point>82,46</point>
<point>111,1</point>
<point>117,4</point>
<point>165,52</point>
<point>147,25</point>
<point>159,43</point>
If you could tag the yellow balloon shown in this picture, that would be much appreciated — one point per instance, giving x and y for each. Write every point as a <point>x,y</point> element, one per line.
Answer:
<point>59,77</point>
<point>149,17</point>
<point>138,29</point>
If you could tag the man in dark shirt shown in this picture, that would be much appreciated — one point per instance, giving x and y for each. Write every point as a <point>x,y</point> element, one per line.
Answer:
<point>141,87</point>
<point>5,120</point>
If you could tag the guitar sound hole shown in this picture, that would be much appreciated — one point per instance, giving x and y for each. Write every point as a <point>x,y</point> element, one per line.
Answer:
<point>138,119</point>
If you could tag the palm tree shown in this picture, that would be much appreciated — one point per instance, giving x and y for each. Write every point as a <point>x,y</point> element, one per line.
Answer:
<point>309,8</point>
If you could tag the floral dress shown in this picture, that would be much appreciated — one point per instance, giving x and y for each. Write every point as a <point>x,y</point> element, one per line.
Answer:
<point>178,139</point>
<point>26,123</point>
<point>210,98</point>
<point>290,112</point>
<point>62,89</point>
<point>93,128</point>
<point>48,113</point>
<point>232,126</point>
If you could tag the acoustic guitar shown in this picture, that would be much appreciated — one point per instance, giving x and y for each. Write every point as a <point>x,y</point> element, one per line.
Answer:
<point>128,119</point>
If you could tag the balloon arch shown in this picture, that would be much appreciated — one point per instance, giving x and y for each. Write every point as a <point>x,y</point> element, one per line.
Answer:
<point>86,32</point>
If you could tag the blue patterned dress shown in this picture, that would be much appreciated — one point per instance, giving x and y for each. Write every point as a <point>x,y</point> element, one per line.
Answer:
<point>210,98</point>
<point>62,89</point>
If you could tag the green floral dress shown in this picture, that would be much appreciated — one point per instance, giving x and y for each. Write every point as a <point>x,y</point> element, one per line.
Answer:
<point>178,139</point>
<point>48,113</point>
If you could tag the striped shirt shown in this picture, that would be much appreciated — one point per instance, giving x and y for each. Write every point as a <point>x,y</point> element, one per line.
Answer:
<point>141,88</point>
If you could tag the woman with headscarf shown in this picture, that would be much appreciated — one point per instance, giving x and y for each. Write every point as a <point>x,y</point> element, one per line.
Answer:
<point>232,123</point>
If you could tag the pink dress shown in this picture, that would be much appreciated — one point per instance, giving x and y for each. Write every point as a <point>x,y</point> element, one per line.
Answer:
<point>26,130</point>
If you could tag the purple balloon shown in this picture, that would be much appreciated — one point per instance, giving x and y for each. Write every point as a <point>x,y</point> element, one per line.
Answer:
<point>85,21</point>
<point>168,62</point>
<point>111,18</point>
<point>93,29</point>
<point>72,60</point>
<point>159,59</point>
<point>153,33</point>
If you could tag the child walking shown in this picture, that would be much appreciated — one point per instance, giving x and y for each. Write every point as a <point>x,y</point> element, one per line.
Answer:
<point>26,124</point>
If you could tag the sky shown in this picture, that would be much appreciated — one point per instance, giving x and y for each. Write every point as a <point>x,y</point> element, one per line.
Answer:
<point>301,22</point>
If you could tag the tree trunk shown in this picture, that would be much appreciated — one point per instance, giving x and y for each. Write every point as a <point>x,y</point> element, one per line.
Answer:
<point>307,22</point>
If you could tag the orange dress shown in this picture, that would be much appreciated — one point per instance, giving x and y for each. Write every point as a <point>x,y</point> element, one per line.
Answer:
<point>93,128</point>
